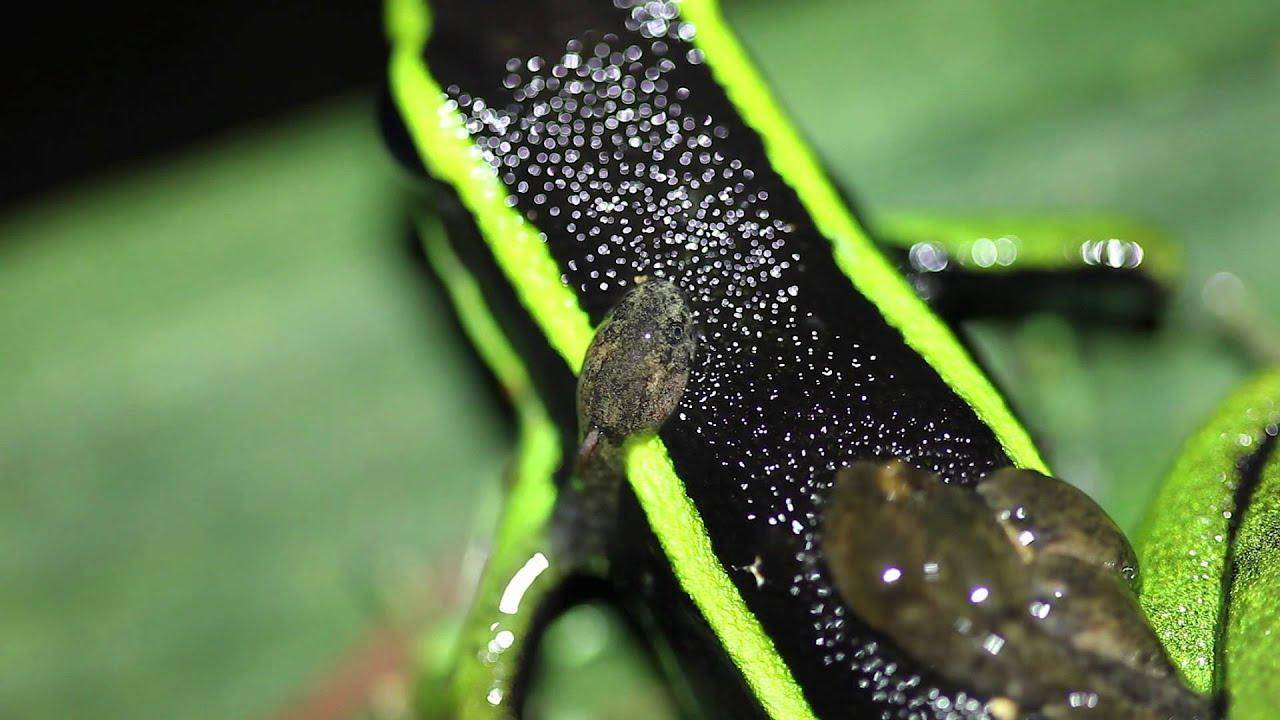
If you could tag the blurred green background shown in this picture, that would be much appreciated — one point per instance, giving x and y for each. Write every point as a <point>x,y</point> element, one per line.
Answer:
<point>239,431</point>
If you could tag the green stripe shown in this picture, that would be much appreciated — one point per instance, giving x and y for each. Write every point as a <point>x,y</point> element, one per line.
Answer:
<point>684,538</point>
<point>1182,548</point>
<point>538,446</point>
<point>446,148</point>
<point>857,257</point>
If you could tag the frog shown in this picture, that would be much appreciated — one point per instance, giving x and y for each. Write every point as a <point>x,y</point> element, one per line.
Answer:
<point>568,154</point>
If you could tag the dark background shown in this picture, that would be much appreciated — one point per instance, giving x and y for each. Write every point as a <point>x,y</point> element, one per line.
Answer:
<point>93,85</point>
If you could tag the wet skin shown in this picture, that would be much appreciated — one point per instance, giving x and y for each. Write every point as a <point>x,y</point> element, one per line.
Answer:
<point>1054,518</point>
<point>1018,588</point>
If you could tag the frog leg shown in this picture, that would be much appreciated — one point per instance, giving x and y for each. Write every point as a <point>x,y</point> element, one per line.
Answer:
<point>1208,553</point>
<point>1252,633</point>
<point>528,577</point>
<point>1089,268</point>
<point>523,587</point>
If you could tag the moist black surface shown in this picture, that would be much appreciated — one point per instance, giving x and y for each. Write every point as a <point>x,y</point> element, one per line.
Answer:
<point>798,374</point>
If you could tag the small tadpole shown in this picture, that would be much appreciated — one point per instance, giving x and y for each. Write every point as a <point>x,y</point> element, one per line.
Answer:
<point>637,366</point>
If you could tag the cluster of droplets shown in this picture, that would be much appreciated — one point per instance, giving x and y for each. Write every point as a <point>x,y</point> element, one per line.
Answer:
<point>890,685</point>
<point>599,141</point>
<point>604,146</point>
